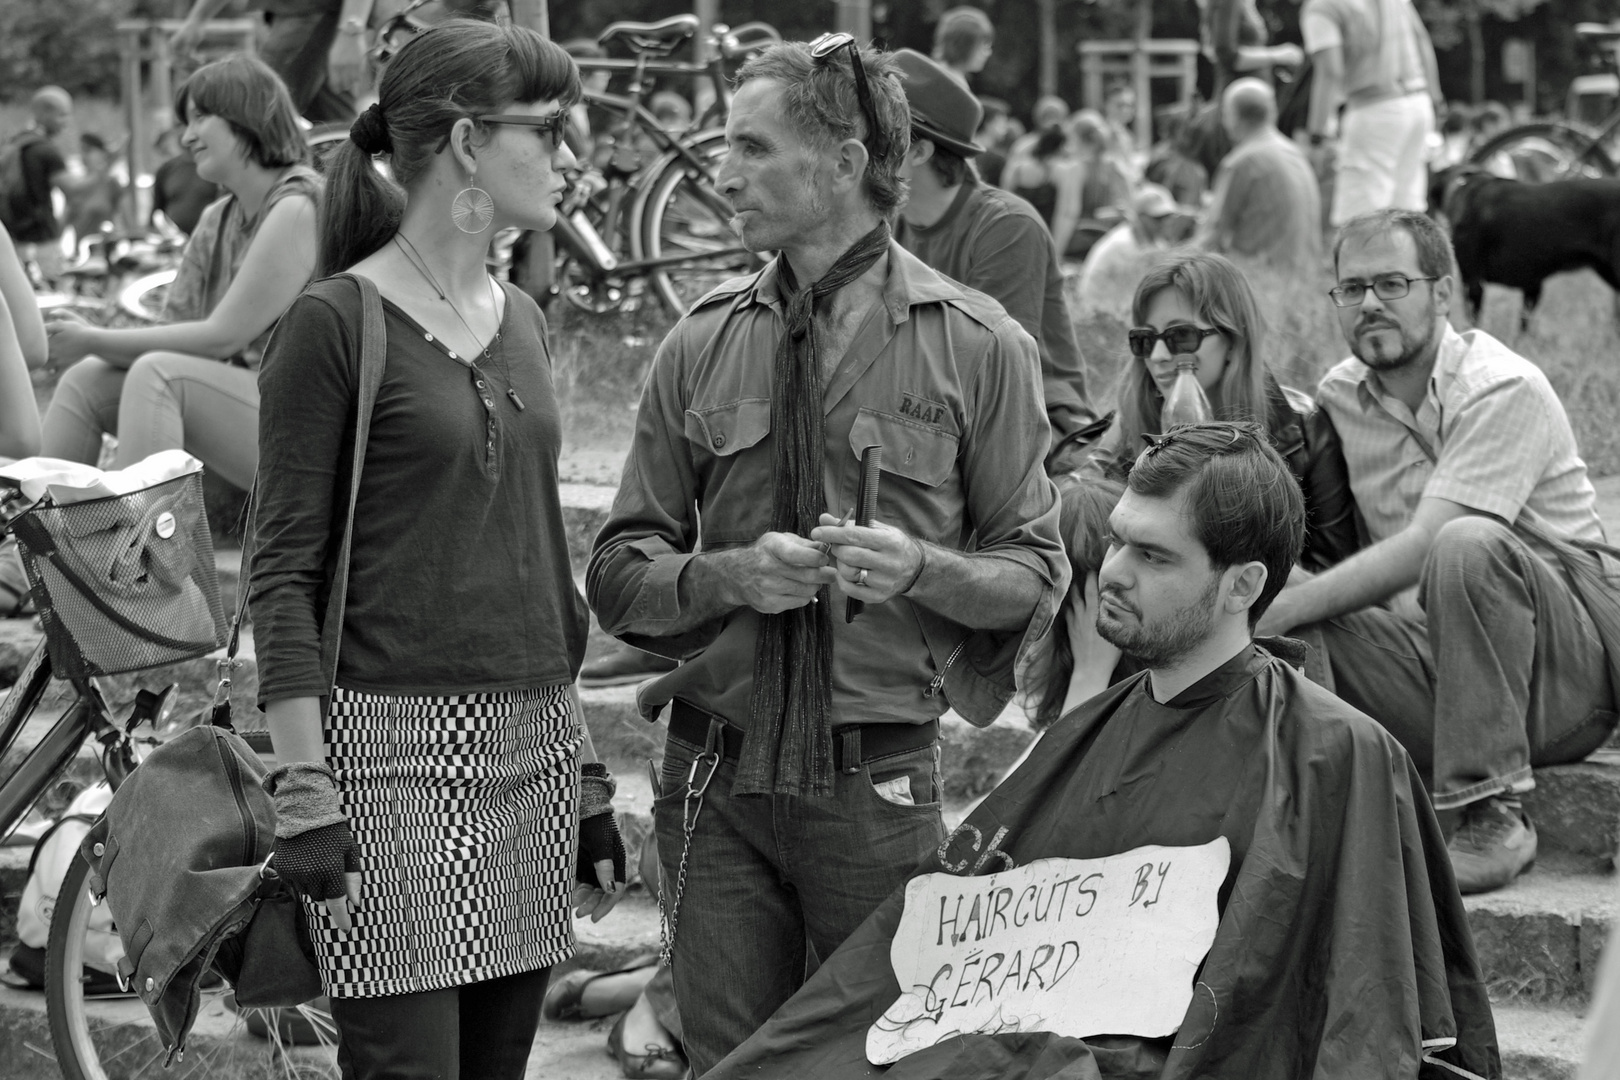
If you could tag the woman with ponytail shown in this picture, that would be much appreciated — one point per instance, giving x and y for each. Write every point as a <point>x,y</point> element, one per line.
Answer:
<point>430,796</point>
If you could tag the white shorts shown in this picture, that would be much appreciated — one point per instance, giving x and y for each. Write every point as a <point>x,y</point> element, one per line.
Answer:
<point>1382,161</point>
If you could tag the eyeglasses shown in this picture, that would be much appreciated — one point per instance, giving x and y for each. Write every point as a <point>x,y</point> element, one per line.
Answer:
<point>1206,436</point>
<point>1384,286</point>
<point>555,125</point>
<point>1180,340</point>
<point>824,47</point>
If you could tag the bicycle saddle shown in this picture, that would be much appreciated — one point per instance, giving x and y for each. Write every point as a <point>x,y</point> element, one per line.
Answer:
<point>652,39</point>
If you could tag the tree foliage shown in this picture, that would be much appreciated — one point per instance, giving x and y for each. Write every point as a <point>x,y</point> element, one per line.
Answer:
<point>72,43</point>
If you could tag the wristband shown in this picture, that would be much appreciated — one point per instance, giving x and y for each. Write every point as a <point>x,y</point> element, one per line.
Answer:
<point>922,564</point>
<point>596,790</point>
<point>306,797</point>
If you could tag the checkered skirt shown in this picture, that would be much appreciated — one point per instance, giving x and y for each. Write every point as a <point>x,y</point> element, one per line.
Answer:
<point>465,810</point>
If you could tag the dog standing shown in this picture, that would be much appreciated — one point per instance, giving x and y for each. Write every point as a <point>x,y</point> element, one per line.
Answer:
<point>1519,234</point>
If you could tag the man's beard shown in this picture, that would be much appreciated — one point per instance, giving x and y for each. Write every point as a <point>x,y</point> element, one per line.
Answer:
<point>1410,349</point>
<point>1165,642</point>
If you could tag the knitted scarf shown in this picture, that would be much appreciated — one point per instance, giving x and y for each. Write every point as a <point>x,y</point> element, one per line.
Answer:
<point>788,748</point>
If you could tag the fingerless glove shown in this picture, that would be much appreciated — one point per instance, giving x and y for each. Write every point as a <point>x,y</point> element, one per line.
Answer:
<point>599,837</point>
<point>314,846</point>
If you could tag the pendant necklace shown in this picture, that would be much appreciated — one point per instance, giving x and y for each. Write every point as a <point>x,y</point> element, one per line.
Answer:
<point>414,257</point>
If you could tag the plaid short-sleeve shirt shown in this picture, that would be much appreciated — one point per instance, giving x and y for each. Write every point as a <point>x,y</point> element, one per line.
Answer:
<point>1490,434</point>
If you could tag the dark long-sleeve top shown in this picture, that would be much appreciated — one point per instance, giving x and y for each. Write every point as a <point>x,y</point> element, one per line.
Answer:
<point>459,579</point>
<point>947,383</point>
<point>996,242</point>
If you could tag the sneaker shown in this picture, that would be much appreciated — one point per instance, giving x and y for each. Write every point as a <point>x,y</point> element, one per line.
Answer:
<point>622,666</point>
<point>1494,844</point>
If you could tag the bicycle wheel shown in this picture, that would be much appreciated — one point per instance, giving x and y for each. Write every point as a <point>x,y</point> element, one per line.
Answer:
<point>1538,153</point>
<point>113,1038</point>
<point>681,214</point>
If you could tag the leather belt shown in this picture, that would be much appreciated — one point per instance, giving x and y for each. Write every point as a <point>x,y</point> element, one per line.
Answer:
<point>854,745</point>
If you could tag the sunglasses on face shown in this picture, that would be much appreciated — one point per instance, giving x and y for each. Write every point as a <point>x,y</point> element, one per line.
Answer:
<point>823,48</point>
<point>1180,340</point>
<point>554,126</point>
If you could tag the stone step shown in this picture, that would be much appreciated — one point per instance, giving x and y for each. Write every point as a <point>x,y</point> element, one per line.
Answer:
<point>585,507</point>
<point>1540,938</point>
<point>1538,1042</point>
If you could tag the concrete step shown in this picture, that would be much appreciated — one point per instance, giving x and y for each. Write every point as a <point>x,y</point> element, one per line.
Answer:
<point>1539,1042</point>
<point>1540,938</point>
<point>585,507</point>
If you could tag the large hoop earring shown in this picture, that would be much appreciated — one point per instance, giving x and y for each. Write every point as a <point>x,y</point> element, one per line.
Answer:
<point>472,209</point>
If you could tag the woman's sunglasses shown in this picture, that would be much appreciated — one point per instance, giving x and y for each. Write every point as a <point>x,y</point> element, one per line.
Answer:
<point>1180,340</point>
<point>824,47</point>
<point>555,126</point>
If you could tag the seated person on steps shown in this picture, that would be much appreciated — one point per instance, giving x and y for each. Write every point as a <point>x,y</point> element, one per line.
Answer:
<point>1464,639</point>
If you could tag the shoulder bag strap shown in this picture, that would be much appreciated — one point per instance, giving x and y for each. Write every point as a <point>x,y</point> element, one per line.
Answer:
<point>373,361</point>
<point>373,358</point>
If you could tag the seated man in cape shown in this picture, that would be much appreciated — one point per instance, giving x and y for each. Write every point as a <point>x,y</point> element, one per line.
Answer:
<point>1339,944</point>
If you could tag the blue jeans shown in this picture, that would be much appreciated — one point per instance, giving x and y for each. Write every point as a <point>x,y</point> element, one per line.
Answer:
<point>1501,671</point>
<point>769,878</point>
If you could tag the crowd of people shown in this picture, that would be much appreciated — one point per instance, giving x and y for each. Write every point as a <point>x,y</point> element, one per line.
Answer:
<point>1335,628</point>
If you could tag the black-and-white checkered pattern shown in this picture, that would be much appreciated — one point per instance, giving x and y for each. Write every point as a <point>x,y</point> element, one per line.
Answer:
<point>465,810</point>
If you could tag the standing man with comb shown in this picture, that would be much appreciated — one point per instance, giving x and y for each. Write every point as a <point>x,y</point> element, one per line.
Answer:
<point>811,744</point>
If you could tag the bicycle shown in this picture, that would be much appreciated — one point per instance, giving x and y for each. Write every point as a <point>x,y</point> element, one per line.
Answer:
<point>1556,149</point>
<point>109,1038</point>
<point>118,280</point>
<point>647,210</point>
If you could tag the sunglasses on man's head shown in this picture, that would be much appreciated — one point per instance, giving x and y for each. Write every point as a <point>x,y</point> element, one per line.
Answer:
<point>822,49</point>
<point>1180,340</point>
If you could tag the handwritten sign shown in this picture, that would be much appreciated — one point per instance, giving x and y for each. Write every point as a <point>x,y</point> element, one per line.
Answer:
<point>1076,947</point>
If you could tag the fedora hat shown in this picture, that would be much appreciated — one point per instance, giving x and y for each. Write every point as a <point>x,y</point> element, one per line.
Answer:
<point>942,109</point>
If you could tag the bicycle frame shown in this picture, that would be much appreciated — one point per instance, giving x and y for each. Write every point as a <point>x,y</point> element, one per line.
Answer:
<point>85,718</point>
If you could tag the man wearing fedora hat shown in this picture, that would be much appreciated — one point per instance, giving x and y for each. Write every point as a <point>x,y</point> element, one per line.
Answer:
<point>991,240</point>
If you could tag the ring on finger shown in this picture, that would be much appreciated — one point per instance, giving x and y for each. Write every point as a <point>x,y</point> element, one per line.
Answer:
<point>860,576</point>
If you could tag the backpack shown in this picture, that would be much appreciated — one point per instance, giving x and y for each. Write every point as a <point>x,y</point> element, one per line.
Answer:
<point>53,852</point>
<point>16,212</point>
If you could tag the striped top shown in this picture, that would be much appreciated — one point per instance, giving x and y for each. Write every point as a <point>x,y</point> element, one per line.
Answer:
<point>1490,434</point>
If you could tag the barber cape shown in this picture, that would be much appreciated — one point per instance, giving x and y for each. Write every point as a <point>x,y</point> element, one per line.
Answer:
<point>1342,949</point>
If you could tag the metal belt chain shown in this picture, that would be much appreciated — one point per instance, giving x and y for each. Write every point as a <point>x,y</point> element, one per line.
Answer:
<point>691,807</point>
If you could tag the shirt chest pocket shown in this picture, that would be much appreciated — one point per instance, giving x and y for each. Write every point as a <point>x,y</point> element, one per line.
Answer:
<point>915,451</point>
<point>723,430</point>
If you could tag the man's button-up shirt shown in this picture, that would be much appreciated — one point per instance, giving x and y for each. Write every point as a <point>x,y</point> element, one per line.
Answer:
<point>946,382</point>
<point>1490,434</point>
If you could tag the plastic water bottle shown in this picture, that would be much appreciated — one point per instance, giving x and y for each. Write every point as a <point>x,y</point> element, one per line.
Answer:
<point>1186,403</point>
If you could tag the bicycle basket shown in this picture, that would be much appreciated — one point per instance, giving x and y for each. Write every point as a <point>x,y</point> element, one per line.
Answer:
<point>125,582</point>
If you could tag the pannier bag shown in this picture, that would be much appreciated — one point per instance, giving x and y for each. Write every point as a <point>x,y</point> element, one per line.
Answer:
<point>123,581</point>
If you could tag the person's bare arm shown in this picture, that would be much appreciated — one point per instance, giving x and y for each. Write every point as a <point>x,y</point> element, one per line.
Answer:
<point>19,416</point>
<point>189,36</point>
<point>1327,89</point>
<point>275,270</point>
<point>1366,578</point>
<point>18,296</point>
<point>346,61</point>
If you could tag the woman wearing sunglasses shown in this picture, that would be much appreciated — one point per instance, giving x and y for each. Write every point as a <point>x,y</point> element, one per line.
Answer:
<point>429,809</point>
<point>1200,304</point>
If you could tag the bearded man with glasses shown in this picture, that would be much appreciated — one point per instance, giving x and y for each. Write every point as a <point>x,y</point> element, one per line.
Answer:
<point>801,782</point>
<point>1473,627</point>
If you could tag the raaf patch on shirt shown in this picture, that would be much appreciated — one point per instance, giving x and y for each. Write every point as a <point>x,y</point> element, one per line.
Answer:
<point>921,409</point>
